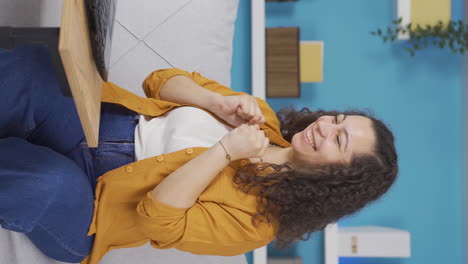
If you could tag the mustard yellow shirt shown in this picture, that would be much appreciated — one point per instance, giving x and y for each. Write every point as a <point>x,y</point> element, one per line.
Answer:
<point>219,223</point>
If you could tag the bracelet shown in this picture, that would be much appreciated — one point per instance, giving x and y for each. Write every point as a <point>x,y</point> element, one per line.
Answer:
<point>228,157</point>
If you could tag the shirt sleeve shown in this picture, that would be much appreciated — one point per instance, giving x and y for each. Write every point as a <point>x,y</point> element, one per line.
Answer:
<point>205,228</point>
<point>153,83</point>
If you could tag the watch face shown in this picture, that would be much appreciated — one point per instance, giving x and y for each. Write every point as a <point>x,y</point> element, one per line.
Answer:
<point>101,14</point>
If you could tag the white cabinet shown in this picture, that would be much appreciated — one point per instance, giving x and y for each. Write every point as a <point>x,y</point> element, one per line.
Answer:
<point>373,241</point>
<point>365,241</point>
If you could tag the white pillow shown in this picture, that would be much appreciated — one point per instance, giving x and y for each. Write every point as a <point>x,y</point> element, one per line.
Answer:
<point>194,35</point>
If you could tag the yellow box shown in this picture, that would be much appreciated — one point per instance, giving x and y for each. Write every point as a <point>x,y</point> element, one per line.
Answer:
<point>429,12</point>
<point>311,61</point>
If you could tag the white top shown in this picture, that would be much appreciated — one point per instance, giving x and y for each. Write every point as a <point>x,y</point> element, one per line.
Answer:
<point>181,128</point>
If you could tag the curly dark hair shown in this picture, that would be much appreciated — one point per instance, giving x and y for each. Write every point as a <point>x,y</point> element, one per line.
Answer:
<point>304,200</point>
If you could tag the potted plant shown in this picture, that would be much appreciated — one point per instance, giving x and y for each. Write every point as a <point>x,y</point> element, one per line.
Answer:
<point>452,35</point>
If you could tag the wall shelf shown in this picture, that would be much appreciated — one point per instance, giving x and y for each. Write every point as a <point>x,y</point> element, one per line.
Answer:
<point>422,12</point>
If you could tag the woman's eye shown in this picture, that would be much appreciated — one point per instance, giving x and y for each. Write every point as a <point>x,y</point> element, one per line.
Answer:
<point>337,136</point>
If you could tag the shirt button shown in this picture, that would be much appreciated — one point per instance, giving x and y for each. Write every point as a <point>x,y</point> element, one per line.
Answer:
<point>129,169</point>
<point>160,158</point>
<point>189,151</point>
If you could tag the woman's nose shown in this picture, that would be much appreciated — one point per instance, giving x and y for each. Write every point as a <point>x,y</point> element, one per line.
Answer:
<point>326,127</point>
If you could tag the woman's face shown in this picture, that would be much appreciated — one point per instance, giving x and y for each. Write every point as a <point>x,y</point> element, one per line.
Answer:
<point>333,139</point>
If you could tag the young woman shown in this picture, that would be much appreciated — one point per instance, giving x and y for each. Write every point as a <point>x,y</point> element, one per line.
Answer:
<point>195,166</point>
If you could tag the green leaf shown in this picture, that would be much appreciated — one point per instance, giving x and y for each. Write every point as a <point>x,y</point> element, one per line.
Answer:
<point>410,51</point>
<point>450,29</point>
<point>373,33</point>
<point>400,19</point>
<point>379,32</point>
<point>462,50</point>
<point>385,39</point>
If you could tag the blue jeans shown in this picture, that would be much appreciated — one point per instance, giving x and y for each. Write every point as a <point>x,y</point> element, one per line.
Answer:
<point>47,172</point>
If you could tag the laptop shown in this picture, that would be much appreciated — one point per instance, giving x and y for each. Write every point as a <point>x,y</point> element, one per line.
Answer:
<point>101,14</point>
<point>84,47</point>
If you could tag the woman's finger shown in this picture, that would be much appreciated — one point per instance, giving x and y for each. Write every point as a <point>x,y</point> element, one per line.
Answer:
<point>260,115</point>
<point>253,107</point>
<point>257,112</point>
<point>254,120</point>
<point>243,112</point>
<point>262,120</point>
<point>266,143</point>
<point>238,121</point>
<point>260,136</point>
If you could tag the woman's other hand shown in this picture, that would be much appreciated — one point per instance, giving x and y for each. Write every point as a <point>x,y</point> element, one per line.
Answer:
<point>239,109</point>
<point>245,141</point>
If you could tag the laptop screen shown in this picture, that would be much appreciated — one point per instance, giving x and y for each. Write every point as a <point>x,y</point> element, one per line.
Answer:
<point>101,14</point>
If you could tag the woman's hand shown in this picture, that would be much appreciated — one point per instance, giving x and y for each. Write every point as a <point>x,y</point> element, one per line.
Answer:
<point>245,141</point>
<point>242,142</point>
<point>238,110</point>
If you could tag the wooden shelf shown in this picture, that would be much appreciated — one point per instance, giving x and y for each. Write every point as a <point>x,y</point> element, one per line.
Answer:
<point>282,62</point>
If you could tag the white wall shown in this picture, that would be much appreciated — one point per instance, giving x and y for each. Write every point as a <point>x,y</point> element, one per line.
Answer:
<point>50,13</point>
<point>19,13</point>
<point>30,13</point>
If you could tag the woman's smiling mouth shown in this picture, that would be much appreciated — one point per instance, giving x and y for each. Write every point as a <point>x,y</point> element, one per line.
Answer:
<point>309,138</point>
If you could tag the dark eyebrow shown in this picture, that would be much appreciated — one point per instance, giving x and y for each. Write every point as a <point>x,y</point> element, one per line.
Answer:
<point>346,133</point>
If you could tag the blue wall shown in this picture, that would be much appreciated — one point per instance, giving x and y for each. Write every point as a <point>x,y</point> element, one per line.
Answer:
<point>420,98</point>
